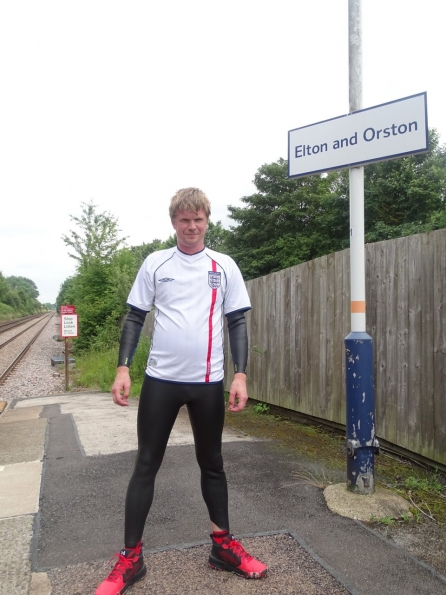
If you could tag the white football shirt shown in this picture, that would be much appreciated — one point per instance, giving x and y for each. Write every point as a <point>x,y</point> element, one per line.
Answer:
<point>190,294</point>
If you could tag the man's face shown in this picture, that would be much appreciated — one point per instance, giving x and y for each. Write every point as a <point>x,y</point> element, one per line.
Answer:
<point>190,228</point>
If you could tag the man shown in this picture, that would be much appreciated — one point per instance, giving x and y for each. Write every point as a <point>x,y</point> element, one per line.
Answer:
<point>190,287</point>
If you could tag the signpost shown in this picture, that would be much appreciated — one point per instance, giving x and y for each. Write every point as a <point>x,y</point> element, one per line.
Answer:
<point>383,132</point>
<point>68,329</point>
<point>359,371</point>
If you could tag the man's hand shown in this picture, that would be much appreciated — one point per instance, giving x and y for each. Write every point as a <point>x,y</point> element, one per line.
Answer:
<point>121,386</point>
<point>238,395</point>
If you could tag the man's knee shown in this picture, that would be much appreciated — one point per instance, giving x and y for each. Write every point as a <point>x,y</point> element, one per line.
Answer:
<point>211,464</point>
<point>147,463</point>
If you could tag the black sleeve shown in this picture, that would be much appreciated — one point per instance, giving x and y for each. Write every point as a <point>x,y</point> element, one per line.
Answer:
<point>238,340</point>
<point>133,323</point>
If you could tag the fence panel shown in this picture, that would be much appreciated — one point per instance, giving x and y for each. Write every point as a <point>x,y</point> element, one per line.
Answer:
<point>301,317</point>
<point>439,350</point>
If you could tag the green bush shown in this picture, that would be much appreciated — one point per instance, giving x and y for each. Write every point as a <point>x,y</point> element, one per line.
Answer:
<point>6,312</point>
<point>138,367</point>
<point>96,368</point>
<point>262,408</point>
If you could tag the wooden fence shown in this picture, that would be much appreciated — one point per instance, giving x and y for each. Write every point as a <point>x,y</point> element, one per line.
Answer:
<point>301,316</point>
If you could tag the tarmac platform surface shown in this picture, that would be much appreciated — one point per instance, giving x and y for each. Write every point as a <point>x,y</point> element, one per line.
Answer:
<point>65,462</point>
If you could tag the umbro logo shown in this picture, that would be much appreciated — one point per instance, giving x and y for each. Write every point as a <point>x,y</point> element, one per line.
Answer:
<point>165,280</point>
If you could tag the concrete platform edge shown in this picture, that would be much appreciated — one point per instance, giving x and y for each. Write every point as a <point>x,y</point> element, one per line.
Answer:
<point>33,547</point>
<point>434,572</point>
<point>324,565</point>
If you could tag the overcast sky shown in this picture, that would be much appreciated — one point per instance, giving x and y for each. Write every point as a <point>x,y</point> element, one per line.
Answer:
<point>123,103</point>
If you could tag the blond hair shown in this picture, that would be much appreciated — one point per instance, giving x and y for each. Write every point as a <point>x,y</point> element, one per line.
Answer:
<point>189,199</point>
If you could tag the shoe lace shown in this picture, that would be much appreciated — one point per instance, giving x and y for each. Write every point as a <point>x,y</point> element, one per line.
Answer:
<point>120,567</point>
<point>239,550</point>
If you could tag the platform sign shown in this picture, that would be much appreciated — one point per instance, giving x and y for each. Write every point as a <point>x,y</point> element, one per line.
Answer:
<point>68,325</point>
<point>386,131</point>
<point>68,309</point>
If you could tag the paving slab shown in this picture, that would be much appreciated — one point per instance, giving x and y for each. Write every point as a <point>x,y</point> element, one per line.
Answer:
<point>15,568</point>
<point>40,584</point>
<point>15,415</point>
<point>22,441</point>
<point>20,489</point>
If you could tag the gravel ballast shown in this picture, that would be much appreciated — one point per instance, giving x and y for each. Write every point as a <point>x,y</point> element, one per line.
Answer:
<point>35,376</point>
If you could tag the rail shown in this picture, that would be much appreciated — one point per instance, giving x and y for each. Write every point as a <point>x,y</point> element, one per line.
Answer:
<point>18,334</point>
<point>9,324</point>
<point>5,373</point>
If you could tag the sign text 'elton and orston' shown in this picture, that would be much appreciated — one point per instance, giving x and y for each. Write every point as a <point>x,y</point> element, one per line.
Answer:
<point>383,132</point>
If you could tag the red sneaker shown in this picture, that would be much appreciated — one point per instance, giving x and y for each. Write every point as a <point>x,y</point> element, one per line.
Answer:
<point>229,554</point>
<point>129,569</point>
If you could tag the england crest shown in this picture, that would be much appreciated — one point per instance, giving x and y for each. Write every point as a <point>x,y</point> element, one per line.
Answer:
<point>214,279</point>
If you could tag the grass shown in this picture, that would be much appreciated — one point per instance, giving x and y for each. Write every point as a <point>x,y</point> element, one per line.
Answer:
<point>320,478</point>
<point>262,408</point>
<point>7,313</point>
<point>309,442</point>
<point>96,369</point>
<point>386,520</point>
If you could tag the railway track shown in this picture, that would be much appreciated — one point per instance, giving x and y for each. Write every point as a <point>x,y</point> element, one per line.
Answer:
<point>10,360</point>
<point>10,324</point>
<point>14,337</point>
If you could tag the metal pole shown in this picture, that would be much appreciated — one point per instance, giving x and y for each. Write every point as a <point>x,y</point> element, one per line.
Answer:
<point>360,406</point>
<point>67,382</point>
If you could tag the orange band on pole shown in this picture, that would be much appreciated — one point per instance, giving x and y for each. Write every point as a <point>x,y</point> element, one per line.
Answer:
<point>357,307</point>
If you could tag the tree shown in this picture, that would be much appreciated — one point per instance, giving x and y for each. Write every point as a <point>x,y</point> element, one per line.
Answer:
<point>406,190</point>
<point>4,289</point>
<point>98,238</point>
<point>21,294</point>
<point>24,285</point>
<point>171,242</point>
<point>287,221</point>
<point>142,252</point>
<point>216,236</point>
<point>67,294</point>
<point>101,284</point>
<point>404,196</point>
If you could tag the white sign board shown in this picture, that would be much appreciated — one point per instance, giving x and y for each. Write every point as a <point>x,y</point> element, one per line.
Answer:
<point>382,132</point>
<point>68,325</point>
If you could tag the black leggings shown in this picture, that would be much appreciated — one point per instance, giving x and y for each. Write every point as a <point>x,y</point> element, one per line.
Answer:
<point>159,405</point>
